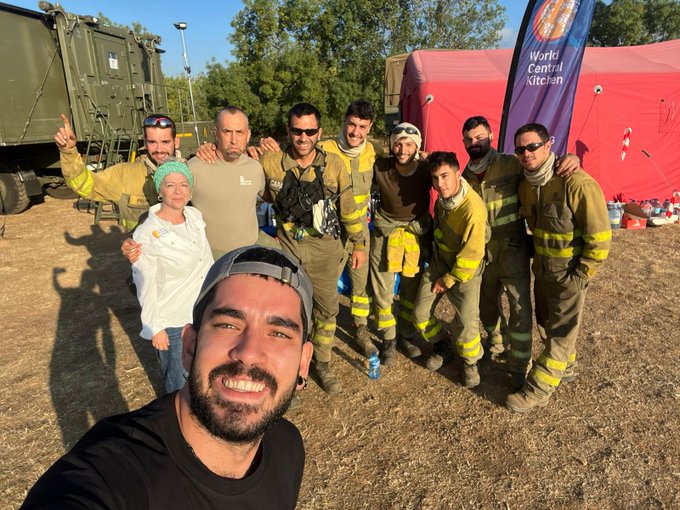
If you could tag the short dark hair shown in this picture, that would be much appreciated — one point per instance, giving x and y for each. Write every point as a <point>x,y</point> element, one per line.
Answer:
<point>231,110</point>
<point>360,108</point>
<point>302,109</point>
<point>534,127</point>
<point>440,158</point>
<point>159,117</point>
<point>475,121</point>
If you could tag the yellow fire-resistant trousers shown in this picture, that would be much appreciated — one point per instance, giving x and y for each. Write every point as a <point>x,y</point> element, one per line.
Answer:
<point>360,300</point>
<point>559,300</point>
<point>464,298</point>
<point>382,281</point>
<point>508,270</point>
<point>320,258</point>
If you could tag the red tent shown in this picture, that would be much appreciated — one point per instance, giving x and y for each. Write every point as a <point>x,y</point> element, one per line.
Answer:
<point>640,89</point>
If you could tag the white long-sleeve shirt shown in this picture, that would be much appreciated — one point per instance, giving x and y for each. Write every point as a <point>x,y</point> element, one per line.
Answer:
<point>171,269</point>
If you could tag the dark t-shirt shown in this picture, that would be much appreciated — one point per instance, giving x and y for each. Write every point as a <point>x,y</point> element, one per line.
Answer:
<point>402,198</point>
<point>140,460</point>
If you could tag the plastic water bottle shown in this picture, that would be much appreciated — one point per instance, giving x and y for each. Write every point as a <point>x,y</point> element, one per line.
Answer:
<point>667,208</point>
<point>615,215</point>
<point>374,366</point>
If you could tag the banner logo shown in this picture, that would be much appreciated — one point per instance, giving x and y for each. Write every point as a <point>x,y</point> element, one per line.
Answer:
<point>554,19</point>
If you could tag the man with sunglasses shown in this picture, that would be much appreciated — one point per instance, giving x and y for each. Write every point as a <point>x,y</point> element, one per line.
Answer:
<point>296,180</point>
<point>571,233</point>
<point>401,238</point>
<point>358,155</point>
<point>130,185</point>
<point>496,177</point>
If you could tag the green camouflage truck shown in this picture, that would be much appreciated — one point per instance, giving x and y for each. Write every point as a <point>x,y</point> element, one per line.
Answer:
<point>105,79</point>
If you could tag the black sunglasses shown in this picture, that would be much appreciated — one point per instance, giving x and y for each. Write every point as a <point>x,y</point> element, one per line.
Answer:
<point>299,131</point>
<point>532,147</point>
<point>162,122</point>
<point>408,130</point>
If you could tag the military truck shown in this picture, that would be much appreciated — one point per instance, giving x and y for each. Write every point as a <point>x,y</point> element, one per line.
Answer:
<point>105,79</point>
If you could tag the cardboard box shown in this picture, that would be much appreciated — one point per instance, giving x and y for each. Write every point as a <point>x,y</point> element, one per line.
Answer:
<point>634,210</point>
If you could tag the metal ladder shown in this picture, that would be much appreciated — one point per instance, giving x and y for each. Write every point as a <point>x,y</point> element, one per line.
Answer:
<point>110,147</point>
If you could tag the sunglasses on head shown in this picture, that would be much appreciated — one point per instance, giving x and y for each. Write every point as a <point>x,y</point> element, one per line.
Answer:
<point>162,122</point>
<point>408,130</point>
<point>308,132</point>
<point>532,147</point>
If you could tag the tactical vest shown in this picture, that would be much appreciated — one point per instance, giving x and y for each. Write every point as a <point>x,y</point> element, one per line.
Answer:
<point>295,200</point>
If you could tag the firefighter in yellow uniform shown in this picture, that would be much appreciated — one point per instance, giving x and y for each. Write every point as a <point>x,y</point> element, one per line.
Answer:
<point>570,226</point>
<point>460,233</point>
<point>295,180</point>
<point>130,185</point>
<point>358,155</point>
<point>496,177</point>
<point>401,239</point>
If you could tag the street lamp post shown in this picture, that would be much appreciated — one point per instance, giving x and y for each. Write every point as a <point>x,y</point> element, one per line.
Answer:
<point>182,26</point>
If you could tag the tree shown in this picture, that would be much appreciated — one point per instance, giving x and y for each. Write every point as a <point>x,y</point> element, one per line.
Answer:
<point>179,101</point>
<point>330,52</point>
<point>136,28</point>
<point>632,22</point>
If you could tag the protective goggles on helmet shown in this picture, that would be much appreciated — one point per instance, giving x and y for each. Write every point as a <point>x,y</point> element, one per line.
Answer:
<point>405,129</point>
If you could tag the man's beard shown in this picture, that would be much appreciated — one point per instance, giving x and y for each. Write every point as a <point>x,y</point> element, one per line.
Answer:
<point>153,160</point>
<point>479,150</point>
<point>230,425</point>
<point>410,160</point>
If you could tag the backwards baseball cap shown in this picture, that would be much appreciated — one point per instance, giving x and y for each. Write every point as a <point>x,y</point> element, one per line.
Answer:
<point>258,260</point>
<point>406,130</point>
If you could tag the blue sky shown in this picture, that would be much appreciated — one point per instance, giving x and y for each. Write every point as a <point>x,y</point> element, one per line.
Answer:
<point>209,25</point>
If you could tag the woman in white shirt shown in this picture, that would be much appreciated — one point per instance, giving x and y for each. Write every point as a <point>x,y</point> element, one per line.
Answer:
<point>169,273</point>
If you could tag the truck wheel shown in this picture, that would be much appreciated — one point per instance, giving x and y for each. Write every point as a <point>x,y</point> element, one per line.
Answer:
<point>13,197</point>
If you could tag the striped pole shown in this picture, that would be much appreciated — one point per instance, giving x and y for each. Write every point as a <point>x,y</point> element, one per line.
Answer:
<point>626,142</point>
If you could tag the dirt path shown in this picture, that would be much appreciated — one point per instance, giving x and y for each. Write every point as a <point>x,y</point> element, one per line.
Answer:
<point>412,439</point>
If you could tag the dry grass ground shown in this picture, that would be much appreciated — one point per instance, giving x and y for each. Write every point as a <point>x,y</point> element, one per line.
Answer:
<point>412,439</point>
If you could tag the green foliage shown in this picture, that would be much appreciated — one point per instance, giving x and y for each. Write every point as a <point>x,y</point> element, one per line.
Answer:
<point>136,28</point>
<point>179,104</point>
<point>632,22</point>
<point>331,52</point>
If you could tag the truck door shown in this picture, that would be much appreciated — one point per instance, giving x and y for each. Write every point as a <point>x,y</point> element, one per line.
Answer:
<point>114,93</point>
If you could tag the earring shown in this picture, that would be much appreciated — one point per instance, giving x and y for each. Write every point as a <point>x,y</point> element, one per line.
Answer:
<point>302,381</point>
<point>160,198</point>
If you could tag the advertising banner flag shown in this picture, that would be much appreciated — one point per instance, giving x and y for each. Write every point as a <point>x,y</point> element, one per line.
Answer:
<point>545,69</point>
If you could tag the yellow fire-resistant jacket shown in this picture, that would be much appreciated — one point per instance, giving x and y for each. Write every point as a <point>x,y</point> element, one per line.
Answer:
<point>130,185</point>
<point>570,224</point>
<point>460,236</point>
<point>360,170</point>
<point>498,189</point>
<point>335,179</point>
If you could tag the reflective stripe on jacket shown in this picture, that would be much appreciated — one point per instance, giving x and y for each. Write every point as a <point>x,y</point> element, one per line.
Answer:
<point>130,185</point>
<point>335,179</point>
<point>360,170</point>
<point>569,221</point>
<point>498,189</point>
<point>460,236</point>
